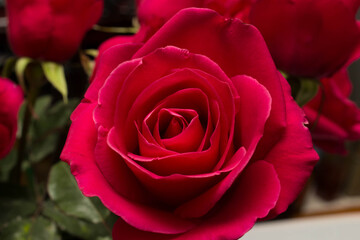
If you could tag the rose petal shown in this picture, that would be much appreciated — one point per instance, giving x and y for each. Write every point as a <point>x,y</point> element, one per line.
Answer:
<point>115,171</point>
<point>11,97</point>
<point>149,150</point>
<point>63,26</point>
<point>20,28</point>
<point>153,14</point>
<point>199,105</point>
<point>205,201</point>
<point>255,108</point>
<point>7,140</point>
<point>251,198</point>
<point>111,42</point>
<point>190,98</point>
<point>173,189</point>
<point>353,5</point>
<point>188,140</point>
<point>329,129</point>
<point>293,154</point>
<point>356,53</point>
<point>105,110</point>
<point>174,131</point>
<point>170,124</point>
<point>312,40</point>
<point>180,119</point>
<point>107,62</point>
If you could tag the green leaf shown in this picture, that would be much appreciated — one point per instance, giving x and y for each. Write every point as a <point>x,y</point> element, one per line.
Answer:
<point>64,191</point>
<point>51,118</point>
<point>92,52</point>
<point>59,114</point>
<point>6,165</point>
<point>284,74</point>
<point>302,89</point>
<point>8,67</point>
<point>30,229</point>
<point>87,63</point>
<point>45,129</point>
<point>55,74</point>
<point>104,238</point>
<point>20,68</point>
<point>118,30</point>
<point>41,105</point>
<point>308,90</point>
<point>14,208</point>
<point>41,149</point>
<point>77,227</point>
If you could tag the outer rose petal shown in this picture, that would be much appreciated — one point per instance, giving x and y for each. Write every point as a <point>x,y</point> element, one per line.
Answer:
<point>111,42</point>
<point>116,172</point>
<point>104,112</point>
<point>293,157</point>
<point>352,4</point>
<point>308,38</point>
<point>50,29</point>
<point>330,129</point>
<point>11,97</point>
<point>235,8</point>
<point>234,216</point>
<point>106,63</point>
<point>356,53</point>
<point>153,14</point>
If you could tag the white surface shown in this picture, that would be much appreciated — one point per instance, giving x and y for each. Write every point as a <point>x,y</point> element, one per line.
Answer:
<point>315,205</point>
<point>331,227</point>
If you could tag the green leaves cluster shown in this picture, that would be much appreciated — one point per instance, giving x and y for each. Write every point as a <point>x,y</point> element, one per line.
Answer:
<point>64,211</point>
<point>44,200</point>
<point>49,123</point>
<point>54,207</point>
<point>52,72</point>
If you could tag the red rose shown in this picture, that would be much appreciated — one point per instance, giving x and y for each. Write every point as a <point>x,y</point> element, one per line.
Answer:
<point>192,135</point>
<point>333,117</point>
<point>50,29</point>
<point>11,98</point>
<point>309,38</point>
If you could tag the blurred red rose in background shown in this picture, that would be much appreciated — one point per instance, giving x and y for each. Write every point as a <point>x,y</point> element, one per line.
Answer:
<point>11,97</point>
<point>306,38</point>
<point>50,30</point>
<point>191,135</point>
<point>309,38</point>
<point>332,116</point>
<point>152,14</point>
